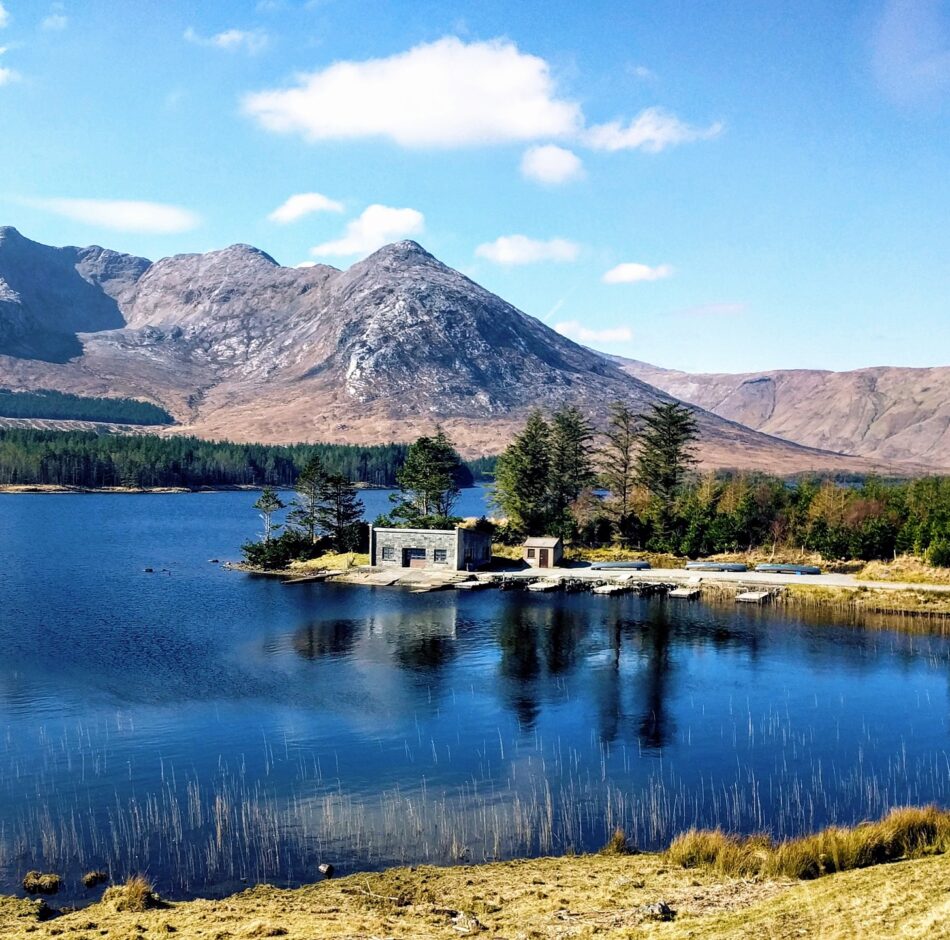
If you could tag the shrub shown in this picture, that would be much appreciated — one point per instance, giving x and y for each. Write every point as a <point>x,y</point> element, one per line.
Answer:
<point>35,882</point>
<point>92,879</point>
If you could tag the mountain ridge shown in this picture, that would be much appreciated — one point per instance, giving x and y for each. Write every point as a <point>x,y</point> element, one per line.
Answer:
<point>889,413</point>
<point>238,346</point>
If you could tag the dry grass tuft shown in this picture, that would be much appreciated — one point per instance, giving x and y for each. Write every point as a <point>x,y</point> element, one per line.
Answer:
<point>618,844</point>
<point>92,879</point>
<point>136,896</point>
<point>910,832</point>
<point>35,882</point>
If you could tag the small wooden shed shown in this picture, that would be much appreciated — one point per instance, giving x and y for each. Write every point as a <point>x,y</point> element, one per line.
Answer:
<point>543,551</point>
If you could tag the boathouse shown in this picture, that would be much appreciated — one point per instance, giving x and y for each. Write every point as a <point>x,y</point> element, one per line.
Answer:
<point>543,551</point>
<point>457,549</point>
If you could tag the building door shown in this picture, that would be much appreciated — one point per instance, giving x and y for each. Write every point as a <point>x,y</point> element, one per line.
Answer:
<point>413,558</point>
<point>543,556</point>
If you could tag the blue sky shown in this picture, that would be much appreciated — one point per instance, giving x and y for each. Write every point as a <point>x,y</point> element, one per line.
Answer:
<point>716,187</point>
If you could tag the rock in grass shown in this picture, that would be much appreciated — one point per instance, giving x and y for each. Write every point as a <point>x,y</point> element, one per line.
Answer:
<point>326,869</point>
<point>35,882</point>
<point>658,911</point>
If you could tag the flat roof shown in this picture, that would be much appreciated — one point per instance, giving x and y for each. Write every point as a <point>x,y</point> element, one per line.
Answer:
<point>416,531</point>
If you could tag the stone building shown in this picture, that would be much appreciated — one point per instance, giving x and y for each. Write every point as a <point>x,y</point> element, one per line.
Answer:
<point>456,549</point>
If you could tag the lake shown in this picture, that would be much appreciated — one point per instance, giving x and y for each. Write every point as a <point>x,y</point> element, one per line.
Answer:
<point>214,729</point>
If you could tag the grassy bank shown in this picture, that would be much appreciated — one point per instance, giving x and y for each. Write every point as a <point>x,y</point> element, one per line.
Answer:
<point>892,880</point>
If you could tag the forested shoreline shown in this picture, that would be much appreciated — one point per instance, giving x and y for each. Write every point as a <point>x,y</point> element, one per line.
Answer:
<point>92,461</point>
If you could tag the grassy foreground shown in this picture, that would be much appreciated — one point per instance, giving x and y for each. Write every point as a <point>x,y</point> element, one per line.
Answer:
<point>892,880</point>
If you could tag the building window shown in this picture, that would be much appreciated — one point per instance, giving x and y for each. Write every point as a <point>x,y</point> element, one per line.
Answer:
<point>440,556</point>
<point>531,553</point>
<point>389,553</point>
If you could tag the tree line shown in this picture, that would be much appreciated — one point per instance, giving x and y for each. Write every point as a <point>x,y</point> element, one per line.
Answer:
<point>636,485</point>
<point>60,406</point>
<point>89,459</point>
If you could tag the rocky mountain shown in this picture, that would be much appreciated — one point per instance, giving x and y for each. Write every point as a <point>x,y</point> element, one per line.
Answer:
<point>890,414</point>
<point>237,346</point>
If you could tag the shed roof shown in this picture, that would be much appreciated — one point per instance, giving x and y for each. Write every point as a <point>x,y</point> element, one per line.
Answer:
<point>542,541</point>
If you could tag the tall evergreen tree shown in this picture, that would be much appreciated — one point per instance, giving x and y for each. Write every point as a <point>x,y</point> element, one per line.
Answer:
<point>339,512</point>
<point>664,458</point>
<point>571,468</point>
<point>429,481</point>
<point>267,504</point>
<point>304,511</point>
<point>619,464</point>
<point>521,478</point>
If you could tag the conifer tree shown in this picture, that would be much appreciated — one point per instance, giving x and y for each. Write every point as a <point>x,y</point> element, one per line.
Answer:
<point>571,468</point>
<point>304,513</point>
<point>522,476</point>
<point>619,465</point>
<point>664,458</point>
<point>269,503</point>
<point>429,481</point>
<point>339,512</point>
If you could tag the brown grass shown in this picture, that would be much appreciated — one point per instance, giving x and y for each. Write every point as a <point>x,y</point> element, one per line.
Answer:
<point>136,896</point>
<point>911,832</point>
<point>906,568</point>
<point>331,561</point>
<point>618,844</point>
<point>35,882</point>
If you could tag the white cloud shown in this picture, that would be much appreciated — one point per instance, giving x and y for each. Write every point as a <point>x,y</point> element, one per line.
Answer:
<point>8,76</point>
<point>123,215</point>
<point>301,204</point>
<point>446,93</point>
<point>652,130</point>
<point>56,19</point>
<point>4,16</point>
<point>632,272</point>
<point>519,249</point>
<point>551,164</point>
<point>644,74</point>
<point>582,334</point>
<point>374,227</point>
<point>252,41</point>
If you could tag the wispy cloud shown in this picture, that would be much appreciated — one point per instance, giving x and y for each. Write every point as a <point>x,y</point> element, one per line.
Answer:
<point>576,331</point>
<point>302,204</point>
<point>632,272</point>
<point>519,249</point>
<point>4,16</point>
<point>252,41</point>
<point>446,93</point>
<point>56,20</point>
<point>652,130</point>
<point>911,50</point>
<point>374,227</point>
<point>122,215</point>
<point>551,165</point>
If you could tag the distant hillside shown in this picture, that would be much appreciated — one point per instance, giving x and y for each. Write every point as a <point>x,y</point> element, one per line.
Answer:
<point>236,346</point>
<point>889,414</point>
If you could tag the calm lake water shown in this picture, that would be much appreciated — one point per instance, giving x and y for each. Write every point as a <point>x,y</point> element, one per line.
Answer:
<point>211,728</point>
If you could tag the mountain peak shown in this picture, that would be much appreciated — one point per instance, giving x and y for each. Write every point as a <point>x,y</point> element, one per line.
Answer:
<point>403,251</point>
